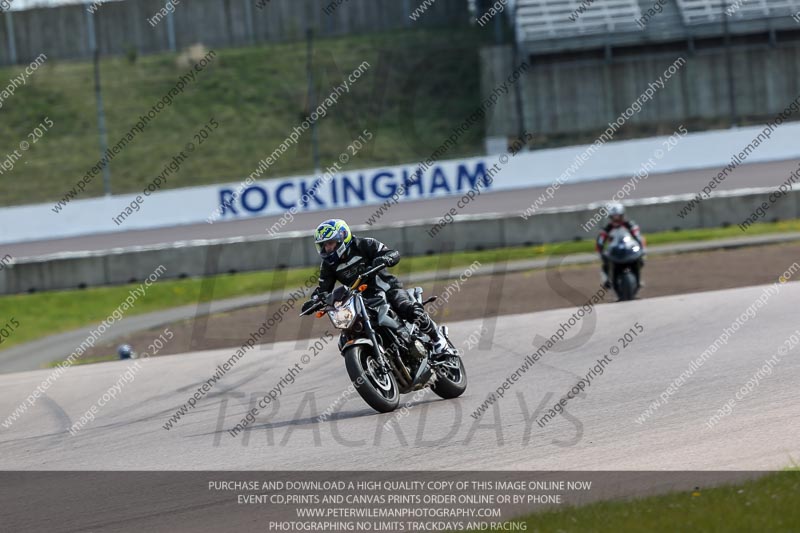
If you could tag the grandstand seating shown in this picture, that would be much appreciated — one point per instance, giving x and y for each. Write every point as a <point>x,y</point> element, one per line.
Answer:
<point>548,19</point>
<point>554,26</point>
<point>705,11</point>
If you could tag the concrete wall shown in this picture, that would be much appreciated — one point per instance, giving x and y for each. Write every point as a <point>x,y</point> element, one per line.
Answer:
<point>580,97</point>
<point>63,32</point>
<point>469,232</point>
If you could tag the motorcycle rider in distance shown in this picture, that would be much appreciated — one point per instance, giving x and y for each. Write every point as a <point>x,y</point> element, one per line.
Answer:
<point>616,219</point>
<point>345,257</point>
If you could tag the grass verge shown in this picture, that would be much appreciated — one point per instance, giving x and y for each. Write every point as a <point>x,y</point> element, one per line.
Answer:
<point>766,504</point>
<point>257,94</point>
<point>47,313</point>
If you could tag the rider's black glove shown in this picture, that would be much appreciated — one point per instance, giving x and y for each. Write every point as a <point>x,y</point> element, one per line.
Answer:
<point>379,261</point>
<point>315,297</point>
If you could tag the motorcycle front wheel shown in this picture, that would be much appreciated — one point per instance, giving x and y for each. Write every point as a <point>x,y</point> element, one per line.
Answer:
<point>627,286</point>
<point>451,377</point>
<point>377,388</point>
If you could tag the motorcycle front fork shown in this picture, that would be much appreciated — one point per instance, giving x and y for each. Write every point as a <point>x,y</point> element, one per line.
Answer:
<point>376,349</point>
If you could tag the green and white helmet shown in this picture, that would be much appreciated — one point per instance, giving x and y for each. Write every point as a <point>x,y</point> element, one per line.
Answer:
<point>333,230</point>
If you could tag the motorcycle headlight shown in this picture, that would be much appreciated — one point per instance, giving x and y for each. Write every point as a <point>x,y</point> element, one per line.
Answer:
<point>343,317</point>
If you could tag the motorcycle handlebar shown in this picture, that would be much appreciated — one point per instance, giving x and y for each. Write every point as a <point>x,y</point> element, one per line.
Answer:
<point>321,303</point>
<point>366,274</point>
<point>313,308</point>
<point>373,270</point>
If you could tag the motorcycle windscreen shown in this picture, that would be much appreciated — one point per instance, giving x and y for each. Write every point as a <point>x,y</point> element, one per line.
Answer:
<point>623,247</point>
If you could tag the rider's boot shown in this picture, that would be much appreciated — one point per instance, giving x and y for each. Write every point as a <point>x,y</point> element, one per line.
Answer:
<point>440,345</point>
<point>441,349</point>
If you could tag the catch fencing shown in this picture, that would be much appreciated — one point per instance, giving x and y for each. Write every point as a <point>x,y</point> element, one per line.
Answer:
<point>65,32</point>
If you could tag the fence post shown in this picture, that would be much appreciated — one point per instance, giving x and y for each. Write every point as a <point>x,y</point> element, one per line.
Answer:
<point>171,31</point>
<point>90,29</point>
<point>248,19</point>
<point>98,95</point>
<point>12,45</point>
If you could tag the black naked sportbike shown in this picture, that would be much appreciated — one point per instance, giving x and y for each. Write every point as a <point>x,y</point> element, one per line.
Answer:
<point>386,356</point>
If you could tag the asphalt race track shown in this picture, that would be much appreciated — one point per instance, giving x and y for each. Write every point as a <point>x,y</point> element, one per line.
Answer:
<point>597,431</point>
<point>688,182</point>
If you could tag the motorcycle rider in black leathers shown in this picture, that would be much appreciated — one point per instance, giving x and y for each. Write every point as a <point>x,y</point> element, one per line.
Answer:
<point>346,256</point>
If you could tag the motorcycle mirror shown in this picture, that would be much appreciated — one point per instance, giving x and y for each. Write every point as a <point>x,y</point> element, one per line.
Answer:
<point>362,288</point>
